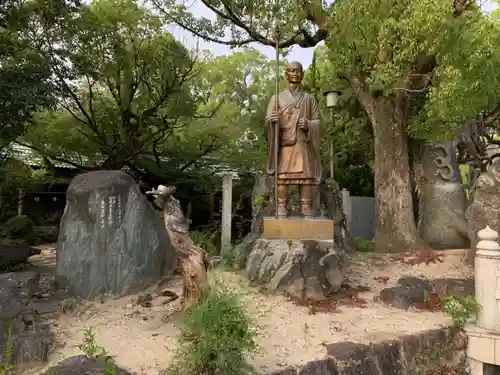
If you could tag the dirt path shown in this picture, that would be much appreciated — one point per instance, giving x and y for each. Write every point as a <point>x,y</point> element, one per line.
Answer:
<point>289,334</point>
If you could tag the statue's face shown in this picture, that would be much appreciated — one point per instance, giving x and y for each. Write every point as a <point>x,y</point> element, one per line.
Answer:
<point>294,73</point>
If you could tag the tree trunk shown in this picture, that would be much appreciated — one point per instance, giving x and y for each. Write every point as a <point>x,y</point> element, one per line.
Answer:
<point>193,260</point>
<point>395,229</point>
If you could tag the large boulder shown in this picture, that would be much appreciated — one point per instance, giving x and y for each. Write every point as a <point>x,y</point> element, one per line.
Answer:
<point>311,270</point>
<point>22,318</point>
<point>13,255</point>
<point>485,207</point>
<point>83,365</point>
<point>111,239</point>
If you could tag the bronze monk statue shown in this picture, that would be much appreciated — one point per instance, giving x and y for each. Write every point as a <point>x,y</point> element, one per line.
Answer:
<point>299,161</point>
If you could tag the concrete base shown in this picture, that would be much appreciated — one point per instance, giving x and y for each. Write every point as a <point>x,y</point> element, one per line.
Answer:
<point>297,228</point>
<point>483,351</point>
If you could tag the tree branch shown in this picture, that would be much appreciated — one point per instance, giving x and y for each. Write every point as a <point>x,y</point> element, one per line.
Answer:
<point>300,37</point>
<point>417,79</point>
<point>362,93</point>
<point>45,154</point>
<point>208,149</point>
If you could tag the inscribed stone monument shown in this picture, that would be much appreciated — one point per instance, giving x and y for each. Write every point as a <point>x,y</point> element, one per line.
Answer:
<point>442,199</point>
<point>111,239</point>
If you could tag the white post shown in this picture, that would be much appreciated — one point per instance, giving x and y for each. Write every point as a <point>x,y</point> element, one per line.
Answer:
<point>347,207</point>
<point>227,202</point>
<point>487,275</point>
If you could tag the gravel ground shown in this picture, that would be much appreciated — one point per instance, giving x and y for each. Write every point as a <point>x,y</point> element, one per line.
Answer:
<point>289,334</point>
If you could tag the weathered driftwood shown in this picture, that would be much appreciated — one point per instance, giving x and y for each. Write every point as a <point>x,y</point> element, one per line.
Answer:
<point>192,260</point>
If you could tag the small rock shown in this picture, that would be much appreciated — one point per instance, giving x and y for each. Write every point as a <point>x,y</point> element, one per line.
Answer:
<point>403,297</point>
<point>82,365</point>
<point>12,255</point>
<point>145,300</point>
<point>414,282</point>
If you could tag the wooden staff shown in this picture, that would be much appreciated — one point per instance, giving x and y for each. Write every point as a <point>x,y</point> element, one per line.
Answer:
<point>276,125</point>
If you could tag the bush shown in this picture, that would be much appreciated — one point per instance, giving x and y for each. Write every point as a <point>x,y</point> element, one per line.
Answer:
<point>22,229</point>
<point>461,310</point>
<point>205,241</point>
<point>216,336</point>
<point>362,244</point>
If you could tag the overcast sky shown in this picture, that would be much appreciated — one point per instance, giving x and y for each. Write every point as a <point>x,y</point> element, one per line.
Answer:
<point>303,55</point>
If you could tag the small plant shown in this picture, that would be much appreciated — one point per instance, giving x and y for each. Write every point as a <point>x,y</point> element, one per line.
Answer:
<point>258,202</point>
<point>362,244</point>
<point>205,241</point>
<point>307,335</point>
<point>461,310</point>
<point>6,366</point>
<point>216,336</point>
<point>231,256</point>
<point>90,348</point>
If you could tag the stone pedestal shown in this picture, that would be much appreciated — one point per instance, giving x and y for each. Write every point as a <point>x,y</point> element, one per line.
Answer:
<point>305,269</point>
<point>483,350</point>
<point>296,228</point>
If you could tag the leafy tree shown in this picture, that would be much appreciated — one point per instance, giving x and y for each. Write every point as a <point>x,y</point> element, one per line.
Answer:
<point>120,81</point>
<point>221,98</point>
<point>346,128</point>
<point>133,96</point>
<point>246,79</point>
<point>416,67</point>
<point>25,84</point>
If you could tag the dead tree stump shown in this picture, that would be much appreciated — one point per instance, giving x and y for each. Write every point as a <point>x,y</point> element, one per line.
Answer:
<point>193,261</point>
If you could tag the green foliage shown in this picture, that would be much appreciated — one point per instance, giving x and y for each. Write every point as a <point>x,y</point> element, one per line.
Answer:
<point>216,336</point>
<point>382,41</point>
<point>461,310</point>
<point>25,84</point>
<point>129,94</point>
<point>205,241</point>
<point>362,244</point>
<point>258,202</point>
<point>139,98</point>
<point>89,346</point>
<point>19,176</point>
<point>231,257</point>
<point>346,128</point>
<point>91,349</point>
<point>22,229</point>
<point>6,367</point>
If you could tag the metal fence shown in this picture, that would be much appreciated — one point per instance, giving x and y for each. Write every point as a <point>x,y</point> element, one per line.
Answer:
<point>360,212</point>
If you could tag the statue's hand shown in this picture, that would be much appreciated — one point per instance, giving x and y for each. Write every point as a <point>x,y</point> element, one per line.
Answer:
<point>274,117</point>
<point>303,124</point>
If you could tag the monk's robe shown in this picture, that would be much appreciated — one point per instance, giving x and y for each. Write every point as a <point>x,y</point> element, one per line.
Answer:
<point>299,150</point>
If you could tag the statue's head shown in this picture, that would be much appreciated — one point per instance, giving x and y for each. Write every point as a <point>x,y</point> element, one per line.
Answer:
<point>163,194</point>
<point>294,72</point>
